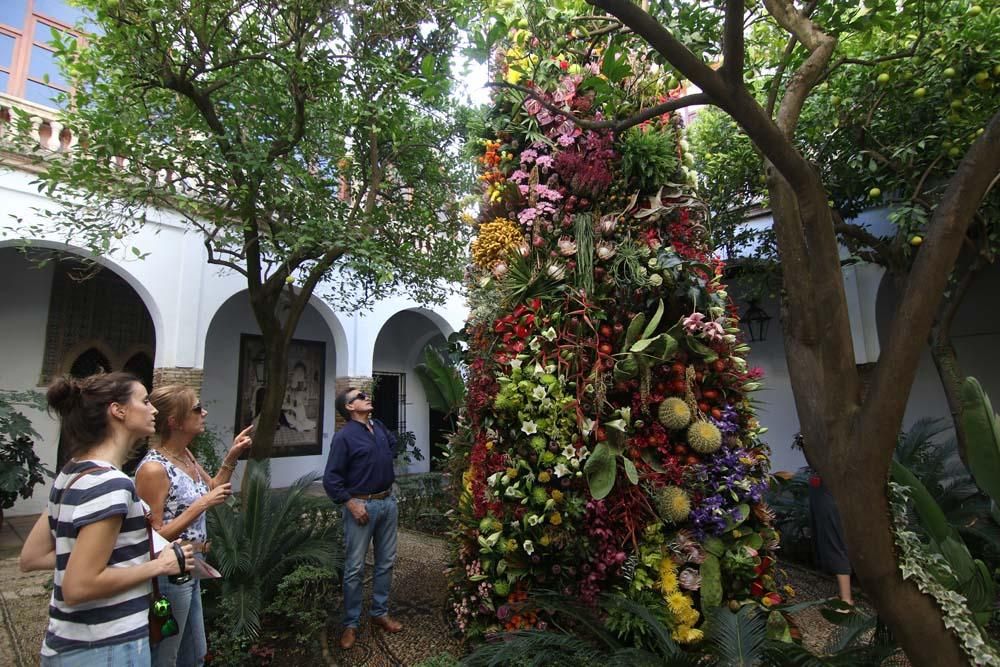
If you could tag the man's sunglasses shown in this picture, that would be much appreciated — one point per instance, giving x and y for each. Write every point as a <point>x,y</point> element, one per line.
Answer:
<point>360,396</point>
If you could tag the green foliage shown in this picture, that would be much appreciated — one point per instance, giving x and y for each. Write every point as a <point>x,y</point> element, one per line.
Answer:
<point>964,574</point>
<point>982,427</point>
<point>789,499</point>
<point>258,541</point>
<point>928,571</point>
<point>310,144</point>
<point>649,158</point>
<point>260,118</point>
<point>936,463</point>
<point>207,447</point>
<point>424,501</point>
<point>442,380</point>
<point>20,468</point>
<point>736,639</point>
<point>732,640</point>
<point>440,660</point>
<point>711,583</point>
<point>301,608</point>
<point>407,450</point>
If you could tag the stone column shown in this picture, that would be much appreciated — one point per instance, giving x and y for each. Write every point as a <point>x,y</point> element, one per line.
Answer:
<point>356,381</point>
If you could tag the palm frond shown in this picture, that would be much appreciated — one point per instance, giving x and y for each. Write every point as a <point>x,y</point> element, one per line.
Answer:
<point>535,648</point>
<point>914,442</point>
<point>261,540</point>
<point>243,605</point>
<point>661,633</point>
<point>736,639</point>
<point>635,657</point>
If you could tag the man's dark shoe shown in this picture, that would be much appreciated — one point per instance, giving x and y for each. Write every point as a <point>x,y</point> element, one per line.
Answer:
<point>387,624</point>
<point>348,638</point>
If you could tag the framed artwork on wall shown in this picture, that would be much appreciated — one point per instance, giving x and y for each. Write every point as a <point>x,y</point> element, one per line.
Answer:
<point>300,427</point>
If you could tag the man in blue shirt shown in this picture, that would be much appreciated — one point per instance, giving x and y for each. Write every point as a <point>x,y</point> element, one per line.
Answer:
<point>359,475</point>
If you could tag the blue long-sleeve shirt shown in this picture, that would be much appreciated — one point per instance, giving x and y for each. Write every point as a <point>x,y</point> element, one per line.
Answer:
<point>360,461</point>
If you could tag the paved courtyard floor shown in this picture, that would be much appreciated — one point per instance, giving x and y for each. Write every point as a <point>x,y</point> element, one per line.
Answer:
<point>418,600</point>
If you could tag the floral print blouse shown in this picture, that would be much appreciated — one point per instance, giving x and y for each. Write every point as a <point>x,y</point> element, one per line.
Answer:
<point>182,493</point>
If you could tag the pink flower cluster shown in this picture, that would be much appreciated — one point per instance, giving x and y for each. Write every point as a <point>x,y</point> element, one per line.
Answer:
<point>607,557</point>
<point>697,324</point>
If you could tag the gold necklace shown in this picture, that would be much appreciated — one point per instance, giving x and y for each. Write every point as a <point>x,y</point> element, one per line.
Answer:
<point>186,466</point>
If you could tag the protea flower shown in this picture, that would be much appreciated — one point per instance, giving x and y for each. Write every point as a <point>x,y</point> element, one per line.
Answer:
<point>524,249</point>
<point>500,269</point>
<point>689,579</point>
<point>605,250</point>
<point>567,246</point>
<point>556,270</point>
<point>607,224</point>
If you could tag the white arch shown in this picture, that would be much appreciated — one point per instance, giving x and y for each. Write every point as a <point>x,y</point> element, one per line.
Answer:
<point>329,317</point>
<point>368,329</point>
<point>144,294</point>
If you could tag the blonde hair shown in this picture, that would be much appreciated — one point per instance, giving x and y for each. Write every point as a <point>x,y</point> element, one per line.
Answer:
<point>172,400</point>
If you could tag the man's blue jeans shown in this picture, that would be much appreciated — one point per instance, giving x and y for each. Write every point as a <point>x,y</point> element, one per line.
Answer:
<point>381,528</point>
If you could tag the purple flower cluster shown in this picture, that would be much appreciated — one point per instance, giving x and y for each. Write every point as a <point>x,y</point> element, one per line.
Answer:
<point>723,482</point>
<point>729,423</point>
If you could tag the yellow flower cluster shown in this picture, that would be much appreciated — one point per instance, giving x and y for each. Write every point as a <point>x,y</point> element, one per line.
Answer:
<point>680,605</point>
<point>495,240</point>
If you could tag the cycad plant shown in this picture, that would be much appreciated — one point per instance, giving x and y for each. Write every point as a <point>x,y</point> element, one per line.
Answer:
<point>745,638</point>
<point>257,542</point>
<point>935,462</point>
<point>442,381</point>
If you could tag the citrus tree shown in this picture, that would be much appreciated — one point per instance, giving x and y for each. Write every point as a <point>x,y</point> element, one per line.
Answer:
<point>310,143</point>
<point>886,128</point>
<point>849,438</point>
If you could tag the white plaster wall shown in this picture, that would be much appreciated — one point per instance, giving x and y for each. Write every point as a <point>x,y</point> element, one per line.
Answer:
<point>24,309</point>
<point>166,281</point>
<point>397,350</point>
<point>364,327</point>
<point>976,336</point>
<point>222,348</point>
<point>775,403</point>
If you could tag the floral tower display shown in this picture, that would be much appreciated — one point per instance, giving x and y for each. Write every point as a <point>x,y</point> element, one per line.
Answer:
<point>608,444</point>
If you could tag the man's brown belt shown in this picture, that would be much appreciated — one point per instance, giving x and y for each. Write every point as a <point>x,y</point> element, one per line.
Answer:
<point>373,496</point>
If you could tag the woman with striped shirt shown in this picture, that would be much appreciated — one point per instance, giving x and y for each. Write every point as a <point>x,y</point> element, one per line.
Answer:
<point>94,533</point>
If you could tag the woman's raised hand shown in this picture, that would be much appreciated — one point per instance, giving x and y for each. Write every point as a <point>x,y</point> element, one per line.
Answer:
<point>241,443</point>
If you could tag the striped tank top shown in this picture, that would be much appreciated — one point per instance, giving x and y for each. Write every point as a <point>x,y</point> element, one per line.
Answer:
<point>92,498</point>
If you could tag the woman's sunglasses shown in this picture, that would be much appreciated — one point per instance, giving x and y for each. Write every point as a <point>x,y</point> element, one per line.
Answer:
<point>197,408</point>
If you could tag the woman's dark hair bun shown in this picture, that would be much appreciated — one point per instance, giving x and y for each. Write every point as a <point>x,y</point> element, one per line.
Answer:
<point>63,395</point>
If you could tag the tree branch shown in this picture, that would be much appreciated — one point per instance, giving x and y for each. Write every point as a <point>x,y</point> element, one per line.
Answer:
<point>786,57</point>
<point>925,287</point>
<point>733,48</point>
<point>614,125</point>
<point>820,46</point>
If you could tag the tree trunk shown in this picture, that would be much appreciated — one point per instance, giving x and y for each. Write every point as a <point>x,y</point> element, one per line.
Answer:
<point>276,350</point>
<point>913,618</point>
<point>838,442</point>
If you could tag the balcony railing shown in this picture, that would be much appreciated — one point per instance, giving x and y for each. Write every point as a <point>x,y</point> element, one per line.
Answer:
<point>46,133</point>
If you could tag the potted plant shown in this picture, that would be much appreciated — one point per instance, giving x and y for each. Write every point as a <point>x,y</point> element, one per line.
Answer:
<point>20,468</point>
<point>407,451</point>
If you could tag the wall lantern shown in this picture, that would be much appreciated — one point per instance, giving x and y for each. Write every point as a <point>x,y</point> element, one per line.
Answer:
<point>756,321</point>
